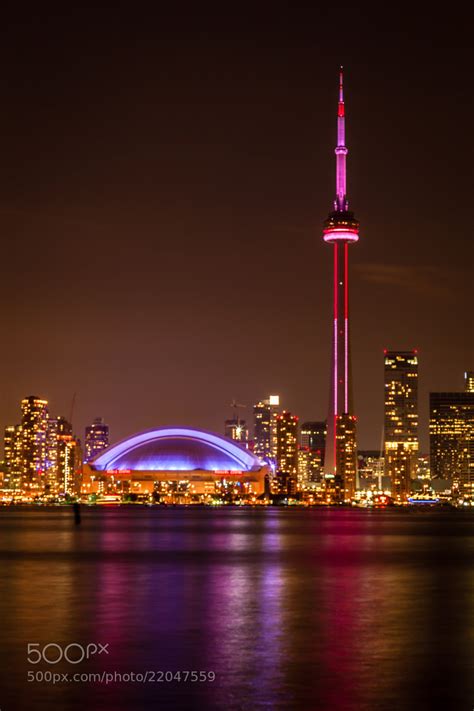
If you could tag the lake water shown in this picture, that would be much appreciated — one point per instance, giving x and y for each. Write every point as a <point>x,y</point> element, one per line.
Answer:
<point>342,609</point>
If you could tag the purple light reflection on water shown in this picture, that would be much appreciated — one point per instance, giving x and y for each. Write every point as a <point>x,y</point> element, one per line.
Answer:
<point>340,609</point>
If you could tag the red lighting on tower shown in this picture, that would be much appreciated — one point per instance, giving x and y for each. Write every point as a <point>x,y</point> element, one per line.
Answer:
<point>341,229</point>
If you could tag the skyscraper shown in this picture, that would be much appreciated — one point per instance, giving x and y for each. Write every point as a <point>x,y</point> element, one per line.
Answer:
<point>469,381</point>
<point>34,424</point>
<point>401,419</point>
<point>309,465</point>
<point>8,444</point>
<point>70,464</point>
<point>97,438</point>
<point>452,439</point>
<point>58,431</point>
<point>340,230</point>
<point>265,413</point>
<point>346,452</point>
<point>370,468</point>
<point>313,436</point>
<point>12,457</point>
<point>313,440</point>
<point>287,450</point>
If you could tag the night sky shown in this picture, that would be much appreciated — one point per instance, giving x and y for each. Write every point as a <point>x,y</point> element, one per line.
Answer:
<point>164,179</point>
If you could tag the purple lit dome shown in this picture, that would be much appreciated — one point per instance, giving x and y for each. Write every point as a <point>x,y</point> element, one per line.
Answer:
<point>176,449</point>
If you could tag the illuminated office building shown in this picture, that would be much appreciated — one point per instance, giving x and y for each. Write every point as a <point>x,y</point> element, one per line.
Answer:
<point>401,420</point>
<point>346,452</point>
<point>34,425</point>
<point>265,423</point>
<point>8,446</point>
<point>58,432</point>
<point>313,439</point>
<point>41,454</point>
<point>303,476</point>
<point>309,465</point>
<point>423,467</point>
<point>12,457</point>
<point>469,381</point>
<point>452,439</point>
<point>97,438</point>
<point>287,450</point>
<point>69,465</point>
<point>370,467</point>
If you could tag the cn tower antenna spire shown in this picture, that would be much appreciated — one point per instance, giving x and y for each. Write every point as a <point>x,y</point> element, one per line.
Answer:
<point>340,203</point>
<point>341,86</point>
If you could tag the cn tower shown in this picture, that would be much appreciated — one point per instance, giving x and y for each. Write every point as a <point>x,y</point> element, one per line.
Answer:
<point>340,230</point>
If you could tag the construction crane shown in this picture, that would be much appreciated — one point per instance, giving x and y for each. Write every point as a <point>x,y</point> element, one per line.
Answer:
<point>236,406</point>
<point>238,430</point>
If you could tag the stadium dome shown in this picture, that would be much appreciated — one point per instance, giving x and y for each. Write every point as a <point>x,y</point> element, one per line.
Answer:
<point>175,449</point>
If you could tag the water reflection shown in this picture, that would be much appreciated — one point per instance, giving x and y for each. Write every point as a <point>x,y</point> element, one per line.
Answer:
<point>330,609</point>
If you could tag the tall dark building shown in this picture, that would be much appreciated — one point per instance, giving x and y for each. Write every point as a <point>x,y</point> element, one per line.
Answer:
<point>313,436</point>
<point>401,419</point>
<point>97,438</point>
<point>341,229</point>
<point>452,439</point>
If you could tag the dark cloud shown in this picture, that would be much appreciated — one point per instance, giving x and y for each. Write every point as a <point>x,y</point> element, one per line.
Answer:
<point>430,281</point>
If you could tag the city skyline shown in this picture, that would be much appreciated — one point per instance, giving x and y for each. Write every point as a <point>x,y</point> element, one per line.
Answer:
<point>236,374</point>
<point>136,219</point>
<point>260,432</point>
<point>44,458</point>
<point>401,443</point>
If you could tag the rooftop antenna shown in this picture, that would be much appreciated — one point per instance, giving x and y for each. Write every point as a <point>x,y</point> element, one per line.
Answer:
<point>71,411</point>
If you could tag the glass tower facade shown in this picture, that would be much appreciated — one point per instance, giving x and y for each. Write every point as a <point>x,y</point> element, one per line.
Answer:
<point>97,438</point>
<point>401,419</point>
<point>287,450</point>
<point>452,439</point>
<point>34,426</point>
<point>265,414</point>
